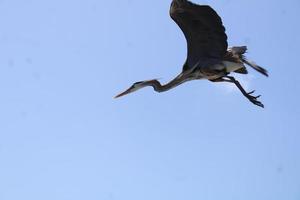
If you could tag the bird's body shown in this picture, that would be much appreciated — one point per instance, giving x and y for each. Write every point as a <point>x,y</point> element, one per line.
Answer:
<point>208,55</point>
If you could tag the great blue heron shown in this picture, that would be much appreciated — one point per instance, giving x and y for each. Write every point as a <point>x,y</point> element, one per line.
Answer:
<point>208,55</point>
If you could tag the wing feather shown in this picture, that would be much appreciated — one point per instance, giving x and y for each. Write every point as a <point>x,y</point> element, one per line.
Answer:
<point>203,30</point>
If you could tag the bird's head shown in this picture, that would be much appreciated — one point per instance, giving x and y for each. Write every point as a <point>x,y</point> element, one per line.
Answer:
<point>136,86</point>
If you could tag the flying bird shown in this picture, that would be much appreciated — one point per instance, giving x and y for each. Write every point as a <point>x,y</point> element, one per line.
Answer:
<point>208,54</point>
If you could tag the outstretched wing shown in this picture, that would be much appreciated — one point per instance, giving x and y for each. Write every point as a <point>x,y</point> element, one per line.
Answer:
<point>203,30</point>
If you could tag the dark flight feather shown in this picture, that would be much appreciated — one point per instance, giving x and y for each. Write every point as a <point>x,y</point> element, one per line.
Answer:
<point>203,30</point>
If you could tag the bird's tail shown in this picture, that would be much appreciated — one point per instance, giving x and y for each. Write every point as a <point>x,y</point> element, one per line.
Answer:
<point>240,50</point>
<point>255,66</point>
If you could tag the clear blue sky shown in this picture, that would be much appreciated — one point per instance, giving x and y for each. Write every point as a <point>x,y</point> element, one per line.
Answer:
<point>63,136</point>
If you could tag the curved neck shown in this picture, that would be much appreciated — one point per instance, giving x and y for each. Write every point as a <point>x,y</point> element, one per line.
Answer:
<point>162,88</point>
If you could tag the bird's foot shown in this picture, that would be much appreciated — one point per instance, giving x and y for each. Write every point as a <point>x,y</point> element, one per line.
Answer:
<point>254,100</point>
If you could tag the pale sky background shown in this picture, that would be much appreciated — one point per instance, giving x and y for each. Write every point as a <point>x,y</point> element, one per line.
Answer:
<point>64,137</point>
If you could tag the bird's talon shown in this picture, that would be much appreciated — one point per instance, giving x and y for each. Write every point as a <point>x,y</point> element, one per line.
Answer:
<point>258,103</point>
<point>251,92</point>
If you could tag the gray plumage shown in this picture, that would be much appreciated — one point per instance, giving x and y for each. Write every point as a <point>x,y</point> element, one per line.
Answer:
<point>208,55</point>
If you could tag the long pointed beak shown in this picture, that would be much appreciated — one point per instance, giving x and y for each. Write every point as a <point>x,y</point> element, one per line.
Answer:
<point>123,93</point>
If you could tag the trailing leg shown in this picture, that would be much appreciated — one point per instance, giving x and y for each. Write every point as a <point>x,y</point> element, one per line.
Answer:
<point>248,95</point>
